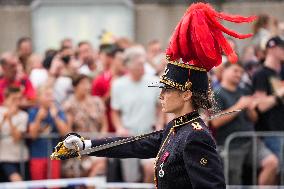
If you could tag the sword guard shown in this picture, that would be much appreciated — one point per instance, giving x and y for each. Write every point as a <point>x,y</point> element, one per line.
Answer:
<point>63,153</point>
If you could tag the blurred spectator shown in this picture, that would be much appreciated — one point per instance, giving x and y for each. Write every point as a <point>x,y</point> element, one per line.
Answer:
<point>154,50</point>
<point>86,113</point>
<point>10,77</point>
<point>118,67</point>
<point>49,55</point>
<point>248,54</point>
<point>250,69</point>
<point>269,91</point>
<point>34,62</point>
<point>123,43</point>
<point>13,125</point>
<point>132,103</point>
<point>48,73</point>
<point>281,29</point>
<point>70,65</point>
<point>85,50</point>
<point>160,62</point>
<point>102,83</point>
<point>106,56</point>
<point>37,73</point>
<point>60,73</point>
<point>262,30</point>
<point>260,54</point>
<point>24,50</point>
<point>87,58</point>
<point>229,97</point>
<point>101,87</point>
<point>66,43</point>
<point>61,66</point>
<point>275,29</point>
<point>46,119</point>
<point>216,76</point>
<point>251,65</point>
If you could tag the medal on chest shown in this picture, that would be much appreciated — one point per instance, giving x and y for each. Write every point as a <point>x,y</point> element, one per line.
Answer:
<point>163,159</point>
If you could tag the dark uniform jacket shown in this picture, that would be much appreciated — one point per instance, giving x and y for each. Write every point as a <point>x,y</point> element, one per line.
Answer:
<point>185,154</point>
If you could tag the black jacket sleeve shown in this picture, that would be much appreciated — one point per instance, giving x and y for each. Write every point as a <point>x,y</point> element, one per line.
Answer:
<point>143,149</point>
<point>202,162</point>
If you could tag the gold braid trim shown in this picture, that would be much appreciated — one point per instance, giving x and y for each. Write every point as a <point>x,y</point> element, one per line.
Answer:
<point>183,65</point>
<point>176,85</point>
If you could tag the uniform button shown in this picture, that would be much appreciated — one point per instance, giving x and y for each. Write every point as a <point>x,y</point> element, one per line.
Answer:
<point>203,161</point>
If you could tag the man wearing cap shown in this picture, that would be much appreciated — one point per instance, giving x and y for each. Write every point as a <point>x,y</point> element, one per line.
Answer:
<point>269,92</point>
<point>185,151</point>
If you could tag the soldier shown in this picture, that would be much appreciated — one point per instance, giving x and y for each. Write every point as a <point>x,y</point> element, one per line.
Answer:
<point>185,151</point>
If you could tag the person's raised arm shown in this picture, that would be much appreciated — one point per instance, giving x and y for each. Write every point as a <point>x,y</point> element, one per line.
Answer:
<point>35,122</point>
<point>265,102</point>
<point>59,119</point>
<point>241,104</point>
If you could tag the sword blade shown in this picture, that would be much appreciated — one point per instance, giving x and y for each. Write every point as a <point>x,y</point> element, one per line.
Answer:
<point>222,114</point>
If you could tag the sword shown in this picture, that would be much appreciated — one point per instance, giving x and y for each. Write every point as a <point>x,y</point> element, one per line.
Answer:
<point>117,143</point>
<point>139,137</point>
<point>222,114</point>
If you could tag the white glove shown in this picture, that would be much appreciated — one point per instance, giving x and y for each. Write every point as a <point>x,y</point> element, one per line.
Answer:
<point>72,140</point>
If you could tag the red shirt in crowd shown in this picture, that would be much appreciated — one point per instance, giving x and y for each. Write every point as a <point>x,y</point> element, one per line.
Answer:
<point>28,90</point>
<point>101,84</point>
<point>101,87</point>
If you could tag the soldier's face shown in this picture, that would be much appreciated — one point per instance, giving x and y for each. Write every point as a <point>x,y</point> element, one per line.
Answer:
<point>171,100</point>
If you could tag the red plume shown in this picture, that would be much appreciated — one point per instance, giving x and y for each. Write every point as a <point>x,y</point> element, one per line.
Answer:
<point>198,38</point>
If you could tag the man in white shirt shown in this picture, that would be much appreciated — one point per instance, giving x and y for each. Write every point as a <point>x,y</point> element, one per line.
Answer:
<point>135,108</point>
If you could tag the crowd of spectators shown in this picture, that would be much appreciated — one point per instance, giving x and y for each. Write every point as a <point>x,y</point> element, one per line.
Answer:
<point>103,91</point>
